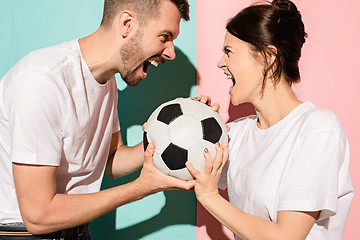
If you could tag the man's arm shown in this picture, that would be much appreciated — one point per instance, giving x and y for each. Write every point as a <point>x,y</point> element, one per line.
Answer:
<point>43,210</point>
<point>123,159</point>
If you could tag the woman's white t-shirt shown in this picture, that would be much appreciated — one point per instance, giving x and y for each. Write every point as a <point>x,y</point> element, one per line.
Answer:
<point>299,164</point>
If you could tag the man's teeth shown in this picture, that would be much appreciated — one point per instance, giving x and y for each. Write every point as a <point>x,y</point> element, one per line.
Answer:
<point>154,63</point>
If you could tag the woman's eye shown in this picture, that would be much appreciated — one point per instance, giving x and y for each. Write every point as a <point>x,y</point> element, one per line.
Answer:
<point>227,51</point>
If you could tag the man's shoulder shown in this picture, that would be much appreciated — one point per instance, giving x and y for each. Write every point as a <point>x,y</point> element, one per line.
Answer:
<point>52,57</point>
<point>49,62</point>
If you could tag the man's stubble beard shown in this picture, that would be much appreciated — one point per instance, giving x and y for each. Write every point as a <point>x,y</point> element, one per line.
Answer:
<point>132,54</point>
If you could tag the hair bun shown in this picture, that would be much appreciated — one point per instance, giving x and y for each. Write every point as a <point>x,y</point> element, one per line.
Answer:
<point>285,5</point>
<point>290,18</point>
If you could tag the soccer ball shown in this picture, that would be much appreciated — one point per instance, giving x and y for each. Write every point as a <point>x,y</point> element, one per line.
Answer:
<point>181,129</point>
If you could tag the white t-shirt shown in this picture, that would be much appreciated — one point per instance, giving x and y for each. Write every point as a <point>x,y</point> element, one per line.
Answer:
<point>53,112</point>
<point>299,164</point>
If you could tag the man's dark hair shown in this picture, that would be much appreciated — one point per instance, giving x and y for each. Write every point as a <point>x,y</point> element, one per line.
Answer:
<point>145,9</point>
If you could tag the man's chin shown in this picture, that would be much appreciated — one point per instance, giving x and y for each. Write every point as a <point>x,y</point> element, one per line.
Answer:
<point>132,82</point>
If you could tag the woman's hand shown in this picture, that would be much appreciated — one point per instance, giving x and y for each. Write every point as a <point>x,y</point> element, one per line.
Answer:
<point>153,180</point>
<point>206,184</point>
<point>207,100</point>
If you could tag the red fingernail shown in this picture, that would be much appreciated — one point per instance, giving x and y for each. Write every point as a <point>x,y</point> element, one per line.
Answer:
<point>206,150</point>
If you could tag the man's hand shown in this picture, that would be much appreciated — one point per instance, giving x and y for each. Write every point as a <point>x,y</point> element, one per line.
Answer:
<point>155,181</point>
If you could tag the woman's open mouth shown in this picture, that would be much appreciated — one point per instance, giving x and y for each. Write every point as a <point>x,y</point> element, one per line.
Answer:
<point>231,78</point>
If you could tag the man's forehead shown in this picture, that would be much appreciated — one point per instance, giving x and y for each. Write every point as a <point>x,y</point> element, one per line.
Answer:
<point>170,28</point>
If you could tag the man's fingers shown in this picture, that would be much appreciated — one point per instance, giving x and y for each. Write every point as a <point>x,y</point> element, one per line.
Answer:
<point>149,151</point>
<point>182,184</point>
<point>144,126</point>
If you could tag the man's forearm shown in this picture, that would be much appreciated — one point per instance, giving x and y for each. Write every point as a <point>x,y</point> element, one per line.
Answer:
<point>66,211</point>
<point>125,160</point>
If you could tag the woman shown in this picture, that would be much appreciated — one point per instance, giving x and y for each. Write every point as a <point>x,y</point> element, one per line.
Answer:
<point>288,173</point>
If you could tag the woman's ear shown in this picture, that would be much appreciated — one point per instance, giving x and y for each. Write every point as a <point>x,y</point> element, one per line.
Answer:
<point>271,54</point>
<point>126,22</point>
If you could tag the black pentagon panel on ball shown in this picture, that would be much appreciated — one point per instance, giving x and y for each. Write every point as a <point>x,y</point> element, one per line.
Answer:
<point>145,140</point>
<point>175,157</point>
<point>211,130</point>
<point>169,113</point>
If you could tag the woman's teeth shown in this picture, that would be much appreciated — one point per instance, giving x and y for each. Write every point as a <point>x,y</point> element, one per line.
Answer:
<point>231,78</point>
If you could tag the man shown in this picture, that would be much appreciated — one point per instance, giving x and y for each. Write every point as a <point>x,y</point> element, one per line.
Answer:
<point>59,125</point>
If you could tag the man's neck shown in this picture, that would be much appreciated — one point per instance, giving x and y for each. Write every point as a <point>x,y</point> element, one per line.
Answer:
<point>97,52</point>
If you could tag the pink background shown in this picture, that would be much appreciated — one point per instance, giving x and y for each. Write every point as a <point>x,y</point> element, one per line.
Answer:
<point>329,70</point>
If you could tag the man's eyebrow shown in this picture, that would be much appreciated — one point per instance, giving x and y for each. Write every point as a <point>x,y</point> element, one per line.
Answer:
<point>168,33</point>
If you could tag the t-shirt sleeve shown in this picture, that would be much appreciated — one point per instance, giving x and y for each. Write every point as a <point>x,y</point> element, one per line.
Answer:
<point>116,123</point>
<point>223,178</point>
<point>311,182</point>
<point>35,121</point>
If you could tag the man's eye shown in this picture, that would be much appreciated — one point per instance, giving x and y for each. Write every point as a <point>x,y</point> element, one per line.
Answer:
<point>165,38</point>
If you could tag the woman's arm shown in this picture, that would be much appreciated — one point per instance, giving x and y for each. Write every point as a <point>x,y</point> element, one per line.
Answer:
<point>290,224</point>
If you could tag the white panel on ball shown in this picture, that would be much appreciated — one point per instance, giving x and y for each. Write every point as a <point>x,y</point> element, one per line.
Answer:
<point>162,137</point>
<point>185,132</point>
<point>182,174</point>
<point>191,106</point>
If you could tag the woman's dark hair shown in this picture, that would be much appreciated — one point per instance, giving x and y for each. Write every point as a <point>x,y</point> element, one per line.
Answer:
<point>277,24</point>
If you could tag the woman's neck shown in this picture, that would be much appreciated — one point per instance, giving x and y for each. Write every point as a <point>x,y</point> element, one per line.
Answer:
<point>275,104</point>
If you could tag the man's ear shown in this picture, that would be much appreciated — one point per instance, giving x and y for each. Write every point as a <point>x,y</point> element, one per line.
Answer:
<point>126,22</point>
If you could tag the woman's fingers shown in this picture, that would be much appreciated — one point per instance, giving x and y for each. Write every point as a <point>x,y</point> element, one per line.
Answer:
<point>191,169</point>
<point>218,160</point>
<point>226,152</point>
<point>212,166</point>
<point>204,99</point>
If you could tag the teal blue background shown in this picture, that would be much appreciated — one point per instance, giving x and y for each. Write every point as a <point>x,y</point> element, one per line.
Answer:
<point>28,25</point>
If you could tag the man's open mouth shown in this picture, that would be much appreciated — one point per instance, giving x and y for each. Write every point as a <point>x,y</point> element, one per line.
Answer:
<point>152,61</point>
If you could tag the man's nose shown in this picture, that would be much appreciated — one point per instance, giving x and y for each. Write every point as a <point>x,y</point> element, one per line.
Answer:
<point>169,51</point>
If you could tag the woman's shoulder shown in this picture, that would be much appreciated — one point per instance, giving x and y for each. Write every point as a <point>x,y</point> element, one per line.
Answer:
<point>318,118</point>
<point>242,122</point>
